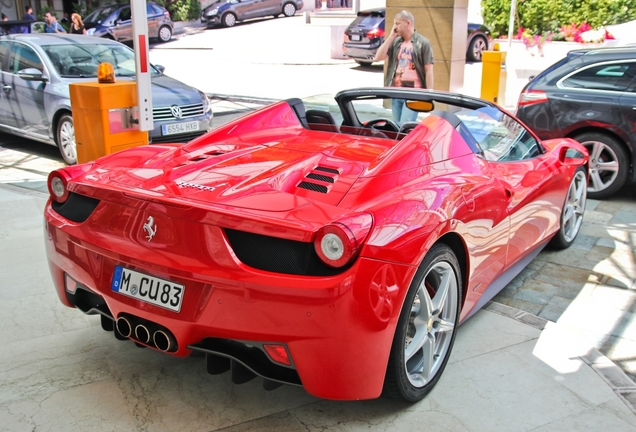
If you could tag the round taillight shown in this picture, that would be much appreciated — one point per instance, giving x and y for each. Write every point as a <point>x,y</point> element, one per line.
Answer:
<point>58,186</point>
<point>338,243</point>
<point>335,245</point>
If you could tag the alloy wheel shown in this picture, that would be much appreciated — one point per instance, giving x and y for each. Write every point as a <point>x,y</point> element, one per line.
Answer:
<point>431,324</point>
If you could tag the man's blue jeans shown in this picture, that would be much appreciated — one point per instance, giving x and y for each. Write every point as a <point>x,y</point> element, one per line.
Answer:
<point>401,113</point>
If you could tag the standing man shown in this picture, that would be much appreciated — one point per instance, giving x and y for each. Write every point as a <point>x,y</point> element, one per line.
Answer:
<point>410,61</point>
<point>28,14</point>
<point>52,26</point>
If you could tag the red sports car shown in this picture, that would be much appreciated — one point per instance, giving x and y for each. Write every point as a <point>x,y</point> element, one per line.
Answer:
<point>316,245</point>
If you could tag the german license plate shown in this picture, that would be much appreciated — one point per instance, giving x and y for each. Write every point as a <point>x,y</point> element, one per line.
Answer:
<point>177,128</point>
<point>149,289</point>
<point>355,37</point>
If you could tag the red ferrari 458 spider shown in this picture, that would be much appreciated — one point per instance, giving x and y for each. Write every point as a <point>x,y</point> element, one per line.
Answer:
<point>313,244</point>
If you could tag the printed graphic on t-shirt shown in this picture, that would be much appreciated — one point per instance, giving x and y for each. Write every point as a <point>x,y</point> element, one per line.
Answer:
<point>405,74</point>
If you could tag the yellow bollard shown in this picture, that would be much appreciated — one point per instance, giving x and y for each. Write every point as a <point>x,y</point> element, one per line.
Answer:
<point>105,120</point>
<point>494,76</point>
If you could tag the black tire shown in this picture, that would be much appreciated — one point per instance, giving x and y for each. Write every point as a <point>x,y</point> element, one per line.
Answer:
<point>412,372</point>
<point>164,34</point>
<point>289,9</point>
<point>65,139</point>
<point>475,48</point>
<point>228,20</point>
<point>364,63</point>
<point>609,164</point>
<point>572,211</point>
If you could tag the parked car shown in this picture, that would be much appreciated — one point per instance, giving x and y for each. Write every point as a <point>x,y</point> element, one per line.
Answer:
<point>21,26</point>
<point>115,22</point>
<point>329,248</point>
<point>36,70</point>
<point>365,34</point>
<point>589,96</point>
<point>229,12</point>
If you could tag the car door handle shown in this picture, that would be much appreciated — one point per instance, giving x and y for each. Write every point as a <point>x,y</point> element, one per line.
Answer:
<point>6,88</point>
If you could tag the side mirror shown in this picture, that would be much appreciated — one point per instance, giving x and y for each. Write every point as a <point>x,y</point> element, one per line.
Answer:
<point>160,68</point>
<point>32,74</point>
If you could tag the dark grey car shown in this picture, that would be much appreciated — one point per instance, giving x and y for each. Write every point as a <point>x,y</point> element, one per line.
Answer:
<point>36,70</point>
<point>115,22</point>
<point>229,12</point>
<point>590,95</point>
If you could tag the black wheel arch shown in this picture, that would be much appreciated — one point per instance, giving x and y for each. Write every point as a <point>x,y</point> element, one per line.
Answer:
<point>56,119</point>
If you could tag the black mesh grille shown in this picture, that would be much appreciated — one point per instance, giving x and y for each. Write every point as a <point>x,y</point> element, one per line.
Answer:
<point>319,177</point>
<point>278,255</point>
<point>313,186</point>
<point>76,208</point>
<point>329,170</point>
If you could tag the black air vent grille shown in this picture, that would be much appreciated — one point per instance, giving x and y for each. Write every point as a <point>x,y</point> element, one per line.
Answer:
<point>320,177</point>
<point>313,187</point>
<point>329,170</point>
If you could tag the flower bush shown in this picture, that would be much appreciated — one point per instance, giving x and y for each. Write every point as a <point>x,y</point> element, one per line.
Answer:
<point>533,41</point>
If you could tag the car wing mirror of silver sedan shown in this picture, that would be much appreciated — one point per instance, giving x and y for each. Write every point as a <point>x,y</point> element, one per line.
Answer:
<point>32,74</point>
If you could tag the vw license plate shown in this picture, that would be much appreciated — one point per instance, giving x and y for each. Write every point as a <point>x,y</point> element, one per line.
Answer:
<point>149,289</point>
<point>355,37</point>
<point>177,128</point>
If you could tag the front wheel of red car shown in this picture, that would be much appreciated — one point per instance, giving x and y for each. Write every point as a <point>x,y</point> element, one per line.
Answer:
<point>572,212</point>
<point>609,164</point>
<point>426,329</point>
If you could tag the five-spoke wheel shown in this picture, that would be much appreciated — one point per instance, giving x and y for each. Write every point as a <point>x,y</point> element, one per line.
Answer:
<point>426,329</point>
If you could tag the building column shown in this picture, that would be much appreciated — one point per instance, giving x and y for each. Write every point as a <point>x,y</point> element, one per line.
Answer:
<point>444,23</point>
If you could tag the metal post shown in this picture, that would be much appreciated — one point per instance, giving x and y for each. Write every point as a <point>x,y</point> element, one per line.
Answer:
<point>142,63</point>
<point>511,23</point>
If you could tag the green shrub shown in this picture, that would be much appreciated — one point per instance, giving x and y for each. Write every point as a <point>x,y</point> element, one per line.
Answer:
<point>182,10</point>
<point>540,16</point>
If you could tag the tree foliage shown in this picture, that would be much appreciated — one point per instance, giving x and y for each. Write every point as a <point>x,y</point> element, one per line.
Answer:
<point>542,16</point>
<point>182,10</point>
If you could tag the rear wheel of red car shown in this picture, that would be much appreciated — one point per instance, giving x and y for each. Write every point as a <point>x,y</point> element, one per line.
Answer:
<point>165,34</point>
<point>609,164</point>
<point>426,329</point>
<point>65,139</point>
<point>289,10</point>
<point>476,47</point>
<point>572,211</point>
<point>229,19</point>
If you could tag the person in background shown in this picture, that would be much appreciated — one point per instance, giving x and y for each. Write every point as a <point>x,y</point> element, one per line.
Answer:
<point>410,62</point>
<point>52,26</point>
<point>28,14</point>
<point>77,25</point>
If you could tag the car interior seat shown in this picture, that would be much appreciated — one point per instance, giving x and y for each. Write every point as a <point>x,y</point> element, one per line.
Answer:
<point>408,127</point>
<point>57,62</point>
<point>321,120</point>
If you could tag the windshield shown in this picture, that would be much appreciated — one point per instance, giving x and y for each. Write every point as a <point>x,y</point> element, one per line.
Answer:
<point>100,15</point>
<point>81,61</point>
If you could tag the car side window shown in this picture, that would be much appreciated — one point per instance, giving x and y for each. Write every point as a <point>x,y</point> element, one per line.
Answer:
<point>609,77</point>
<point>23,57</point>
<point>125,15</point>
<point>4,49</point>
<point>500,137</point>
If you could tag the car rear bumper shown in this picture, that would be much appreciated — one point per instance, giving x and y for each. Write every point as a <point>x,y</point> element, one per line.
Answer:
<point>337,329</point>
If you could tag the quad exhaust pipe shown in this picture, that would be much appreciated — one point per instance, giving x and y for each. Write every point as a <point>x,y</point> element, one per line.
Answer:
<point>146,332</point>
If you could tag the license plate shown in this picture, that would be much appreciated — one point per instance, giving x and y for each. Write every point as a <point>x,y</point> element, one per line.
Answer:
<point>355,37</point>
<point>149,289</point>
<point>177,128</point>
